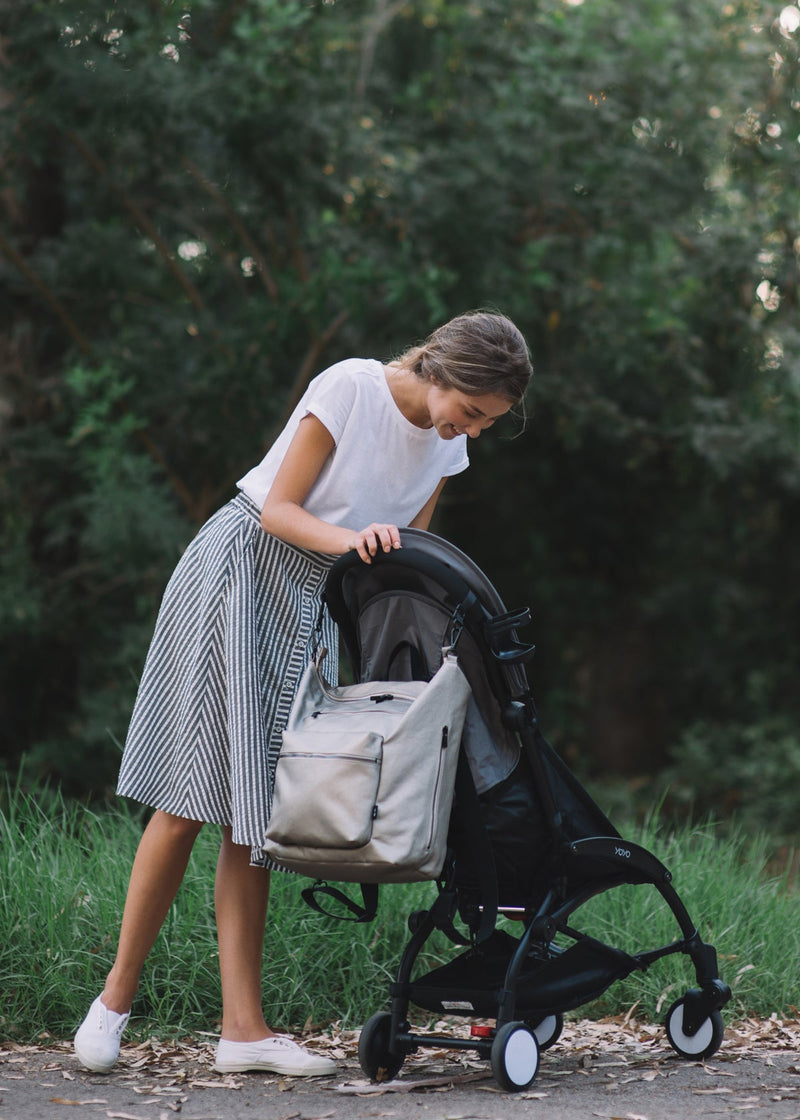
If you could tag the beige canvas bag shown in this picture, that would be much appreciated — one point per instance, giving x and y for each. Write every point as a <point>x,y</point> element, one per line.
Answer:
<point>364,780</point>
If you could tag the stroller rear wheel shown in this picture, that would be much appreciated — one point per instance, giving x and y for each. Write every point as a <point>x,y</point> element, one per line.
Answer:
<point>515,1057</point>
<point>547,1030</point>
<point>703,1043</point>
<point>377,1061</point>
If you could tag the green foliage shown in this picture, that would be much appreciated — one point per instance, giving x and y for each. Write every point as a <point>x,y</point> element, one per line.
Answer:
<point>207,205</point>
<point>752,770</point>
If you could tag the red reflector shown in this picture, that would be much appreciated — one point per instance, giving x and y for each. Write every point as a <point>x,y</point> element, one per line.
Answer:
<point>480,1032</point>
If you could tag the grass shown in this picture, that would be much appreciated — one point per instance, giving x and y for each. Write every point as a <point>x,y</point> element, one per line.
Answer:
<point>64,874</point>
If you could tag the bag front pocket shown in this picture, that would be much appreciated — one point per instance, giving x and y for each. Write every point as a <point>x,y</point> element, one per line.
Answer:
<point>326,789</point>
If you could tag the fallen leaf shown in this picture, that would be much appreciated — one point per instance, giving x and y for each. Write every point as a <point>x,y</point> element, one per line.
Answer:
<point>408,1085</point>
<point>65,1100</point>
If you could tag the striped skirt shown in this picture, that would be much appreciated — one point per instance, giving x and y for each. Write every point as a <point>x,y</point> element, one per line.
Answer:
<point>229,646</point>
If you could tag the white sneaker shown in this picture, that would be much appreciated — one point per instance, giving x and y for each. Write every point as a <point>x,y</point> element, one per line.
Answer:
<point>273,1055</point>
<point>98,1037</point>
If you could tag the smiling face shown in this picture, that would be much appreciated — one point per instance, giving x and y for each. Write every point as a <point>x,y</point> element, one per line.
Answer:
<point>454,413</point>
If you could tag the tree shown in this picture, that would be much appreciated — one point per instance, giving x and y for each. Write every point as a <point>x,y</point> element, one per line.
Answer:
<point>209,203</point>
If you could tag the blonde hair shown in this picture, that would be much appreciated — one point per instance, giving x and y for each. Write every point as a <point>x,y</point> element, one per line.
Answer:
<point>476,353</point>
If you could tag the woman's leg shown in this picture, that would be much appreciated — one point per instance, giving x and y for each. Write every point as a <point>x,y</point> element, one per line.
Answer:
<point>240,897</point>
<point>157,872</point>
<point>246,1041</point>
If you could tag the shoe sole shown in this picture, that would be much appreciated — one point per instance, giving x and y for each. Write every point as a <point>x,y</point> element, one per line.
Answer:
<point>245,1067</point>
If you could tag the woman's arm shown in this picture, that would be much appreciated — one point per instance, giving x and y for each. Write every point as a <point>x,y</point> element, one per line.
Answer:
<point>423,518</point>
<point>283,514</point>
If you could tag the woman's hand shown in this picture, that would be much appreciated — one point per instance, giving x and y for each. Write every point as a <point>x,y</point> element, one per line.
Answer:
<point>368,542</point>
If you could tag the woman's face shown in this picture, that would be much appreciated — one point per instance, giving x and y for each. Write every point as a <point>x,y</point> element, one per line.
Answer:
<point>454,413</point>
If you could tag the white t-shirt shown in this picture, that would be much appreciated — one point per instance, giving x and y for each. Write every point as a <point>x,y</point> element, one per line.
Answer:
<point>383,468</point>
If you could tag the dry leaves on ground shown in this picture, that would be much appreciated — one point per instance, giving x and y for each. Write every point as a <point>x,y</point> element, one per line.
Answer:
<point>620,1049</point>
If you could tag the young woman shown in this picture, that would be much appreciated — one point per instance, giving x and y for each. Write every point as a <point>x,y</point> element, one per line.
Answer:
<point>367,450</point>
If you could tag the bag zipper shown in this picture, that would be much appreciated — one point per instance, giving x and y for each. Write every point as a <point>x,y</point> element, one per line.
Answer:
<point>376,699</point>
<point>319,754</point>
<point>373,710</point>
<point>436,784</point>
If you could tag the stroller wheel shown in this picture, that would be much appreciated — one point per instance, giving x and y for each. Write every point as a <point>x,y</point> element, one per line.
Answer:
<point>374,1056</point>
<point>703,1043</point>
<point>547,1030</point>
<point>515,1057</point>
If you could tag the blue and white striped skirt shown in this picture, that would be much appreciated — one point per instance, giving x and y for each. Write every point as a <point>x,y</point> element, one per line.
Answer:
<point>229,646</point>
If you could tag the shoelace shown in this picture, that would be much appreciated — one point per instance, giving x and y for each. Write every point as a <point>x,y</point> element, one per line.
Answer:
<point>118,1027</point>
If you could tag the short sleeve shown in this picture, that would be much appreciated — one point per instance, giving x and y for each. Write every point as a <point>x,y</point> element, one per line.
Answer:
<point>331,398</point>
<point>460,458</point>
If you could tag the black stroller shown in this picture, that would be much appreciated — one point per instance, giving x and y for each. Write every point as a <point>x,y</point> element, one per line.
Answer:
<point>526,840</point>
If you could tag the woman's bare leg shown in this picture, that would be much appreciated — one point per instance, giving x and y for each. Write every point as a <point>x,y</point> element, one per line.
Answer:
<point>240,896</point>
<point>157,872</point>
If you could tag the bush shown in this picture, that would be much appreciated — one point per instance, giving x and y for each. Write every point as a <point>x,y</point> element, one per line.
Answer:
<point>752,770</point>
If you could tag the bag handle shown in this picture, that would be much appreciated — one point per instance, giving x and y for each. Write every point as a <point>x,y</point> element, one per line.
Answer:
<point>357,913</point>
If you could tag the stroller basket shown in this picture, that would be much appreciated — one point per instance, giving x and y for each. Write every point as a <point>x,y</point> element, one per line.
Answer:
<point>525,837</point>
<point>553,982</point>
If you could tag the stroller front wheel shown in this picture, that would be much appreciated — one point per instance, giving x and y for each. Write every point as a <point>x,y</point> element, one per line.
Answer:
<point>515,1057</point>
<point>703,1043</point>
<point>377,1061</point>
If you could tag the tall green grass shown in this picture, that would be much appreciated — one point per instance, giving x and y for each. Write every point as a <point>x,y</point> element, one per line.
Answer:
<point>64,871</point>
<point>63,876</point>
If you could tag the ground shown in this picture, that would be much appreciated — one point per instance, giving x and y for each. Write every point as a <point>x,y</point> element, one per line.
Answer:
<point>613,1069</point>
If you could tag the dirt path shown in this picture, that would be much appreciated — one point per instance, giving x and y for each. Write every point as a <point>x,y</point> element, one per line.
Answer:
<point>613,1070</point>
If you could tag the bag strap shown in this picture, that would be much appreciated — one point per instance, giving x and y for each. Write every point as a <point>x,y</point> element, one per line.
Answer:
<point>476,835</point>
<point>443,913</point>
<point>356,913</point>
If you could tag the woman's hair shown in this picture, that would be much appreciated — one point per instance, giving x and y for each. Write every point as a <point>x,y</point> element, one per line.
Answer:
<point>478,352</point>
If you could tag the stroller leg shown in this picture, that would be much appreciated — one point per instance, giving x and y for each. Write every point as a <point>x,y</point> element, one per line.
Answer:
<point>714,992</point>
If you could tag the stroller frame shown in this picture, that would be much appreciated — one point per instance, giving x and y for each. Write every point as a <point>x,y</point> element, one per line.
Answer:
<point>525,985</point>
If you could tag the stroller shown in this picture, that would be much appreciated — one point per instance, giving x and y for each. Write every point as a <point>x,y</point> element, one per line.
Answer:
<point>526,840</point>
